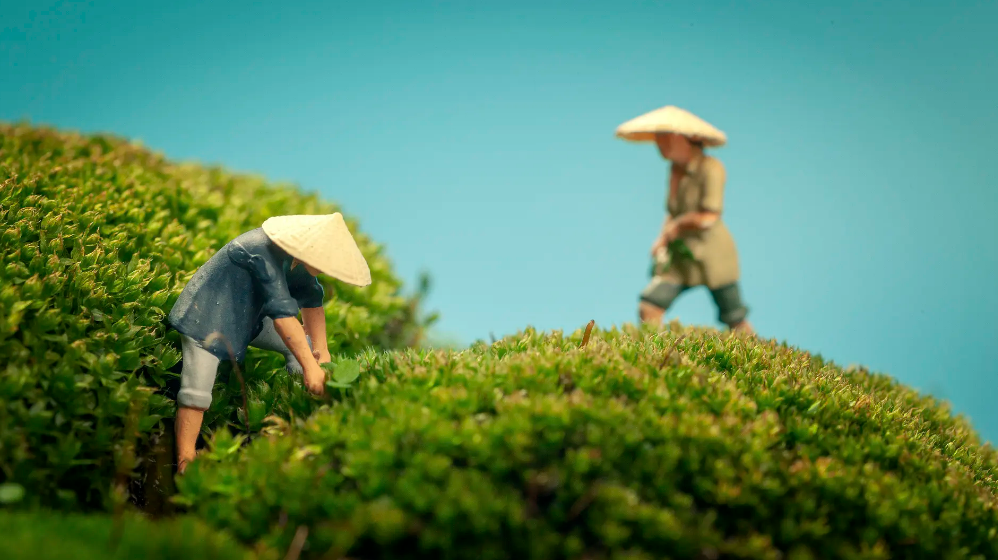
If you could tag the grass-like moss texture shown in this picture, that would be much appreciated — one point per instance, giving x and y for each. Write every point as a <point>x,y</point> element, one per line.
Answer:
<point>631,443</point>
<point>59,536</point>
<point>674,444</point>
<point>98,237</point>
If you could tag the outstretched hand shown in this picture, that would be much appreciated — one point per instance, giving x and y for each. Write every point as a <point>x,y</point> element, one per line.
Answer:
<point>658,245</point>
<point>315,380</point>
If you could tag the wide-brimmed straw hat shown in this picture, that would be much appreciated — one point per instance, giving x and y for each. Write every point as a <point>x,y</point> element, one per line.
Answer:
<point>671,119</point>
<point>323,242</point>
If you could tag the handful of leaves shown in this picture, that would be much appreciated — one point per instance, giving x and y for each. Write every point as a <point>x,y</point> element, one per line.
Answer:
<point>664,258</point>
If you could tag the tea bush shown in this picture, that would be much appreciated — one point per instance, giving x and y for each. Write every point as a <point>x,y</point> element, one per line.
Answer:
<point>98,236</point>
<point>53,536</point>
<point>684,443</point>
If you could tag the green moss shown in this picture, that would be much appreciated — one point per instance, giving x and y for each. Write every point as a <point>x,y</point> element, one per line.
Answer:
<point>640,445</point>
<point>44,535</point>
<point>97,239</point>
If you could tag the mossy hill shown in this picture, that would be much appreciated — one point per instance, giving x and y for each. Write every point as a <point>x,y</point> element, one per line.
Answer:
<point>98,236</point>
<point>638,443</point>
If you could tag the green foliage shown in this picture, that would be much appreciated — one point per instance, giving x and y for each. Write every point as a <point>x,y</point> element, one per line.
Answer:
<point>342,373</point>
<point>97,239</point>
<point>45,535</point>
<point>683,443</point>
<point>677,250</point>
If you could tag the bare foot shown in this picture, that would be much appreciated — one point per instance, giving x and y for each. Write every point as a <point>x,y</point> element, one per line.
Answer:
<point>650,313</point>
<point>743,327</point>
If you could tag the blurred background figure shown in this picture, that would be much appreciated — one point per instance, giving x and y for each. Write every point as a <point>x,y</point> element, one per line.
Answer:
<point>694,247</point>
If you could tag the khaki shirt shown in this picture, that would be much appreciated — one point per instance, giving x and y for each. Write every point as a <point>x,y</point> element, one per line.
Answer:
<point>701,189</point>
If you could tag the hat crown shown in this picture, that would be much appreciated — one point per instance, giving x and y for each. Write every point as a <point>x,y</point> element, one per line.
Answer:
<point>323,242</point>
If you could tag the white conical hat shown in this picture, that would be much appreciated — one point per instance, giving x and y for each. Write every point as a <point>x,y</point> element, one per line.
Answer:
<point>323,242</point>
<point>671,119</point>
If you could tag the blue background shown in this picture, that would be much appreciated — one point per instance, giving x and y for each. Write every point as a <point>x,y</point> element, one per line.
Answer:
<point>475,139</point>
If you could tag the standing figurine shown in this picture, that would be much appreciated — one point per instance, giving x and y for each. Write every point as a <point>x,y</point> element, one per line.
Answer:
<point>249,294</point>
<point>694,203</point>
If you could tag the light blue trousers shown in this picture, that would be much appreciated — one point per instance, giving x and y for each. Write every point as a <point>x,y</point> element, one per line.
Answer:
<point>200,367</point>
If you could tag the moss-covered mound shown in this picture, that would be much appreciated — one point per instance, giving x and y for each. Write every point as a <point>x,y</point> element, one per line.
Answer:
<point>679,444</point>
<point>97,238</point>
<point>53,536</point>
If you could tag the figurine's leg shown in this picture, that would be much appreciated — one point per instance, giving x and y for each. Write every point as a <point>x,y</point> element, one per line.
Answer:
<point>656,299</point>
<point>730,309</point>
<point>269,339</point>
<point>197,377</point>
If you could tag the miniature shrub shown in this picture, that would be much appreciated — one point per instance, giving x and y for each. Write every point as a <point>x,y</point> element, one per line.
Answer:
<point>681,444</point>
<point>97,239</point>
<point>45,535</point>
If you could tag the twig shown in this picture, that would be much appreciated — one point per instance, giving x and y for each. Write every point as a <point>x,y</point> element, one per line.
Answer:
<point>242,383</point>
<point>671,350</point>
<point>589,330</point>
<point>583,502</point>
<point>297,543</point>
<point>124,468</point>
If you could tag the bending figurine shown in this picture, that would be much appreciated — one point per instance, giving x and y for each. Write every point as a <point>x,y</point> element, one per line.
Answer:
<point>693,215</point>
<point>249,294</point>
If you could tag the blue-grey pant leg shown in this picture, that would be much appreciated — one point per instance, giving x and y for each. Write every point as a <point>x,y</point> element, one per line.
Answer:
<point>197,376</point>
<point>661,294</point>
<point>731,310</point>
<point>270,339</point>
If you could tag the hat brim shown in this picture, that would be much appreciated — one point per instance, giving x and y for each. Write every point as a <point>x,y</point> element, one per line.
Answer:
<point>649,136</point>
<point>323,243</point>
<point>671,120</point>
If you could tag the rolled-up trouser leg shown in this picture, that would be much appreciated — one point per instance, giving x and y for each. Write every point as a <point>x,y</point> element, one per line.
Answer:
<point>661,294</point>
<point>197,375</point>
<point>730,309</point>
<point>270,339</point>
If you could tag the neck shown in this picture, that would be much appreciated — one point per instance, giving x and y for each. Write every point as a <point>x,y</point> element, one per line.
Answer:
<point>684,162</point>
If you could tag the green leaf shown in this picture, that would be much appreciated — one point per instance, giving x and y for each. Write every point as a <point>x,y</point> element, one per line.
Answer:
<point>346,371</point>
<point>11,492</point>
<point>338,385</point>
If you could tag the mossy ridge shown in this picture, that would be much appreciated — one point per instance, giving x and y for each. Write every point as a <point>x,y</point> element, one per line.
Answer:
<point>98,236</point>
<point>681,442</point>
<point>45,535</point>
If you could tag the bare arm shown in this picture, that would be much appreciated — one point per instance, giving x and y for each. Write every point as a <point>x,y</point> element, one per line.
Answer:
<point>694,221</point>
<point>665,224</point>
<point>315,327</point>
<point>293,334</point>
<point>672,228</point>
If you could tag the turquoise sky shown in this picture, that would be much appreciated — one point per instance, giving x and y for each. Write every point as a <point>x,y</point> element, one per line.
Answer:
<point>475,139</point>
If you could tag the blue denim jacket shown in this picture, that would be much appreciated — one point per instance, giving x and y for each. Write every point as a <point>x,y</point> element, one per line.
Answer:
<point>249,279</point>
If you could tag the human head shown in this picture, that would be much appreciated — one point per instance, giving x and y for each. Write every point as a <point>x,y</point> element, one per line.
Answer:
<point>677,147</point>
<point>311,269</point>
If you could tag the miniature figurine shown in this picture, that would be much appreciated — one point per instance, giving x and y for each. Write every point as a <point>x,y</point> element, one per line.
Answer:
<point>708,256</point>
<point>249,294</point>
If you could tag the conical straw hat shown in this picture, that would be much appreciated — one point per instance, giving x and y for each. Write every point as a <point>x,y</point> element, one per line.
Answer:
<point>323,242</point>
<point>671,119</point>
